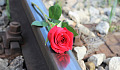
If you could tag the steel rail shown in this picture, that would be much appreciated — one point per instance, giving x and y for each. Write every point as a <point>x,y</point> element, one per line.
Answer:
<point>38,56</point>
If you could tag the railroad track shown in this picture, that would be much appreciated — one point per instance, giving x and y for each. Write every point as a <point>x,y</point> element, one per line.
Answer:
<point>38,56</point>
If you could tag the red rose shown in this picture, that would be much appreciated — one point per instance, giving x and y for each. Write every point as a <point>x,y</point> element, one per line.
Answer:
<point>61,39</point>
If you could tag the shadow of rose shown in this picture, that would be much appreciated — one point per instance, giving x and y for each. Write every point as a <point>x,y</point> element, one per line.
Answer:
<point>63,59</point>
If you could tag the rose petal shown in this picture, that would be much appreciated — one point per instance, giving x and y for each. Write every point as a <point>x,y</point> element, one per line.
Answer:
<point>59,31</point>
<point>63,45</point>
<point>57,50</point>
<point>70,34</point>
<point>66,41</point>
<point>52,32</point>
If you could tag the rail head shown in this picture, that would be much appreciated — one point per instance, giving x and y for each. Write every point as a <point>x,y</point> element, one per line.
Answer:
<point>66,61</point>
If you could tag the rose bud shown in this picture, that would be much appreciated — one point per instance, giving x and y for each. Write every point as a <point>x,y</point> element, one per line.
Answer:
<point>61,39</point>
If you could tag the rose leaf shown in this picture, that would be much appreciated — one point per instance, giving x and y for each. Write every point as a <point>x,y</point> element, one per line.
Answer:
<point>48,28</point>
<point>65,23</point>
<point>40,23</point>
<point>70,29</point>
<point>55,21</point>
<point>55,12</point>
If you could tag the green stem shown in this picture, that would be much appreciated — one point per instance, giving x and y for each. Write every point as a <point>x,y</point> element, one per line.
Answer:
<point>109,2</point>
<point>44,15</point>
<point>8,9</point>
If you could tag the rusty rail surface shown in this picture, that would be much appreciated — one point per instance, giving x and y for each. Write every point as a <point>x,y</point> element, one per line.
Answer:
<point>38,56</point>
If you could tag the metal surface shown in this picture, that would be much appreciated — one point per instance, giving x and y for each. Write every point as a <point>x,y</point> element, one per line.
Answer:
<point>15,28</point>
<point>15,47</point>
<point>10,41</point>
<point>13,34</point>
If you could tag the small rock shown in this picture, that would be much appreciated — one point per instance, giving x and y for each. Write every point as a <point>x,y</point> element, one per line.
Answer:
<point>79,16</point>
<point>1,20</point>
<point>90,65</point>
<point>117,12</point>
<point>74,16</point>
<point>0,11</point>
<point>115,19</point>
<point>101,11</point>
<point>62,17</point>
<point>3,17</point>
<point>6,20</point>
<point>4,13</point>
<point>107,11</point>
<point>95,19</point>
<point>2,2</point>
<point>106,68</point>
<point>103,27</point>
<point>84,16</point>
<point>47,5</point>
<point>2,29</point>
<point>107,61</point>
<point>103,17</point>
<point>82,64</point>
<point>114,63</point>
<point>71,23</point>
<point>86,3</point>
<point>97,59</point>
<point>95,3</point>
<point>79,6</point>
<point>51,2</point>
<point>17,63</point>
<point>86,11</point>
<point>0,14</point>
<point>70,3</point>
<point>66,9</point>
<point>93,11</point>
<point>85,30</point>
<point>81,51</point>
<point>100,68</point>
<point>3,64</point>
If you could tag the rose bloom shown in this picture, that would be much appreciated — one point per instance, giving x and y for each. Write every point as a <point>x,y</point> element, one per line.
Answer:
<point>61,39</point>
